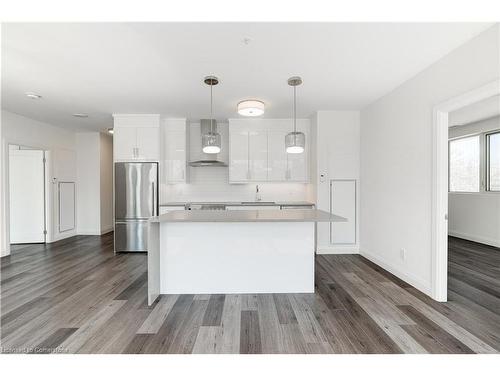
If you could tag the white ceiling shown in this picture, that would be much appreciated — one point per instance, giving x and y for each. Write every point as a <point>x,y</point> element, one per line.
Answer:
<point>105,68</point>
<point>482,110</point>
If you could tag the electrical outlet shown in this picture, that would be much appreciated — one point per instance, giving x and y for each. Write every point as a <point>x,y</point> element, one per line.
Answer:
<point>402,254</point>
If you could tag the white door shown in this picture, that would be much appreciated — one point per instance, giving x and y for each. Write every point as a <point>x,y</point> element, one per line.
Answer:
<point>238,166</point>
<point>66,206</point>
<point>27,197</point>
<point>277,156</point>
<point>148,143</point>
<point>343,203</point>
<point>258,155</point>
<point>175,156</point>
<point>124,143</point>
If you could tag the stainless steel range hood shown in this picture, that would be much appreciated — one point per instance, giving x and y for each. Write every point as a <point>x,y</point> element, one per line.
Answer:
<point>206,160</point>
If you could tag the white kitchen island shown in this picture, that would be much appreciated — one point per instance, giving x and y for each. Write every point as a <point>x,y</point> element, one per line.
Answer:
<point>223,252</point>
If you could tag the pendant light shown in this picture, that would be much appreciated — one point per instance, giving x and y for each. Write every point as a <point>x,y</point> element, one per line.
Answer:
<point>295,141</point>
<point>210,142</point>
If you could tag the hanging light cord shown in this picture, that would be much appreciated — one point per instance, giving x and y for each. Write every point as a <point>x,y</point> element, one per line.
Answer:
<point>294,109</point>
<point>211,109</point>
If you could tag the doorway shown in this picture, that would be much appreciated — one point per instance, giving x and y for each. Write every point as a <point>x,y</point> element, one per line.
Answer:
<point>441,181</point>
<point>27,198</point>
<point>474,203</point>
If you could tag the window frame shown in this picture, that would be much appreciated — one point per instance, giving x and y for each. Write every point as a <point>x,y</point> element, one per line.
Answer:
<point>481,138</point>
<point>487,156</point>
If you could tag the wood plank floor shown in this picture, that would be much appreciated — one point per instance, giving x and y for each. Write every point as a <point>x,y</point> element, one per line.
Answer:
<point>76,296</point>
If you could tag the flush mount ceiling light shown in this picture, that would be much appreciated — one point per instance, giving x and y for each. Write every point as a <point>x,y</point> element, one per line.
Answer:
<point>32,95</point>
<point>251,108</point>
<point>110,130</point>
<point>81,115</point>
<point>295,141</point>
<point>211,142</point>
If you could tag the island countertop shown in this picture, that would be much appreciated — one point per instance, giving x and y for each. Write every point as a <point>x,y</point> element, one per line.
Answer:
<point>239,203</point>
<point>222,216</point>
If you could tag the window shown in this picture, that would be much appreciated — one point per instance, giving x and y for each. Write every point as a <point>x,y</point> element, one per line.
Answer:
<point>493,161</point>
<point>464,164</point>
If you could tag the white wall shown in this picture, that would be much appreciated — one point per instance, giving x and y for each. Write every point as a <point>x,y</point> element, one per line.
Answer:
<point>396,158</point>
<point>106,182</point>
<point>336,140</point>
<point>95,183</point>
<point>211,183</point>
<point>61,165</point>
<point>88,178</point>
<point>475,216</point>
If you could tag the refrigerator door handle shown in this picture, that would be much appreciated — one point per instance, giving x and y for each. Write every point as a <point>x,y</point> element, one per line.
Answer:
<point>154,199</point>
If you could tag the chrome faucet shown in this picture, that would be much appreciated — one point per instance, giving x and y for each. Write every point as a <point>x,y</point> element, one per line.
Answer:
<point>258,197</point>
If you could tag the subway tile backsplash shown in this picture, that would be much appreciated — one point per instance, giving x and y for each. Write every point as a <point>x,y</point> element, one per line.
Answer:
<point>211,184</point>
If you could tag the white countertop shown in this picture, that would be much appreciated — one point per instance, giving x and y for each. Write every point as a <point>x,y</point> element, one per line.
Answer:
<point>242,203</point>
<point>222,216</point>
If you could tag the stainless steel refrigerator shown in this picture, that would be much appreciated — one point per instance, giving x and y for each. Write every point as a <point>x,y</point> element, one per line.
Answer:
<point>136,200</point>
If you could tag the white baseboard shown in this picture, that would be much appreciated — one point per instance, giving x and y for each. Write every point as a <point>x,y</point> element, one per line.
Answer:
<point>472,237</point>
<point>62,236</point>
<point>95,232</point>
<point>414,281</point>
<point>337,250</point>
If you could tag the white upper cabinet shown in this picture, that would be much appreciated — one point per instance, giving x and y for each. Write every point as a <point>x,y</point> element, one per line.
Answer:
<point>136,137</point>
<point>239,167</point>
<point>148,147</point>
<point>296,168</point>
<point>277,156</point>
<point>174,151</point>
<point>257,155</point>
<point>124,143</point>
<point>258,151</point>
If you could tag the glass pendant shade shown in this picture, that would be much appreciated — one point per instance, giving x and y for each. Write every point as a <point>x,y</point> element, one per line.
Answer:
<point>211,143</point>
<point>295,142</point>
